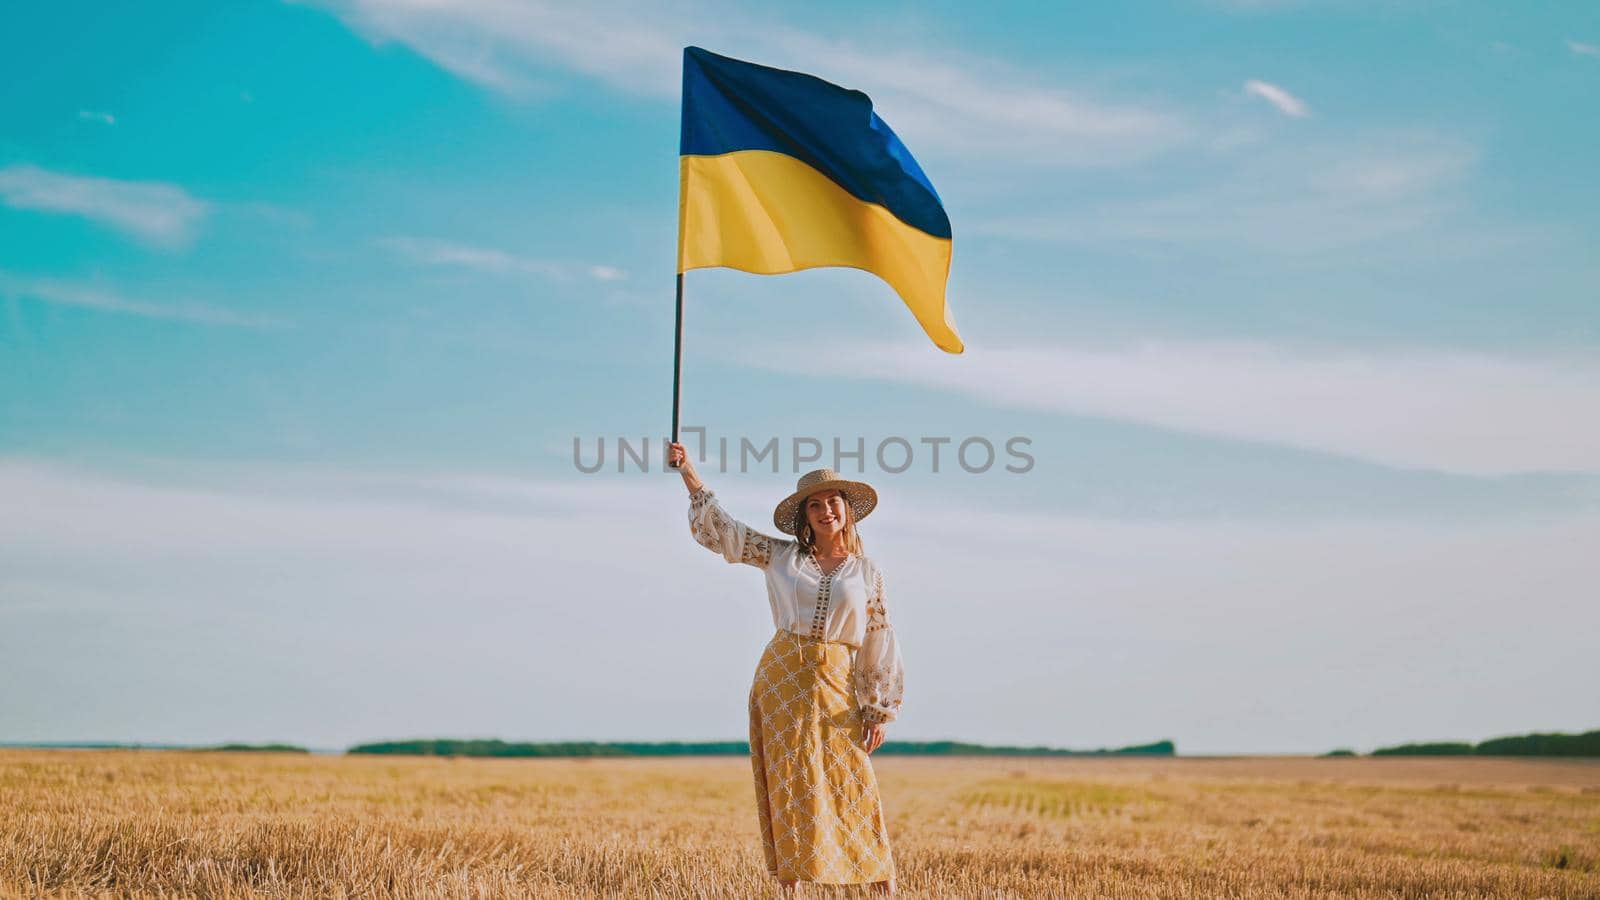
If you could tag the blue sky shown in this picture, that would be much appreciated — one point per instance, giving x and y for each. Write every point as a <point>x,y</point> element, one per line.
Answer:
<point>303,305</point>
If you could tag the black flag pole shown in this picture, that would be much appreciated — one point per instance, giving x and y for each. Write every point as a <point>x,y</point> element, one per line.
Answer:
<point>677,358</point>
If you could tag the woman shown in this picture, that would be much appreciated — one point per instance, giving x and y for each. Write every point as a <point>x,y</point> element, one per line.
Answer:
<point>828,682</point>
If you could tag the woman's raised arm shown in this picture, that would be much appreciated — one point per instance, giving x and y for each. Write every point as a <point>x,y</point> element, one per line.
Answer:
<point>678,458</point>
<point>711,525</point>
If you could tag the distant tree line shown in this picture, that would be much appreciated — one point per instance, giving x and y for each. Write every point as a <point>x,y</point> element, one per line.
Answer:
<point>1555,744</point>
<point>957,748</point>
<point>448,747</point>
<point>451,747</point>
<point>1552,744</point>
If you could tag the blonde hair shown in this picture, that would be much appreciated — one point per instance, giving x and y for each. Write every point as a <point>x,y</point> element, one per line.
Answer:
<point>808,540</point>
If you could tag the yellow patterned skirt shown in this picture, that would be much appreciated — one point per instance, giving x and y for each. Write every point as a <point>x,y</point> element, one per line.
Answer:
<point>816,794</point>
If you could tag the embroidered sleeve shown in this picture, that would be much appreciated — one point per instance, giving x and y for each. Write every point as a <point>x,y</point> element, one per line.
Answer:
<point>714,529</point>
<point>879,675</point>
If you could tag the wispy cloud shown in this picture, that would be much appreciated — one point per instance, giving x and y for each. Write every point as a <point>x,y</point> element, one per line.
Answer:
<point>935,99</point>
<point>155,212</point>
<point>1286,103</point>
<point>1446,410</point>
<point>1581,49</point>
<point>942,105</point>
<point>425,251</point>
<point>92,115</point>
<point>97,297</point>
<point>1296,201</point>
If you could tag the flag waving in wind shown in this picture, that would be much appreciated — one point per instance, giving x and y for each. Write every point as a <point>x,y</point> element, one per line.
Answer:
<point>781,171</point>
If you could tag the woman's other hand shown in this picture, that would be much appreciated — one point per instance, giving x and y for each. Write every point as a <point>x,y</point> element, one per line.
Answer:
<point>872,736</point>
<point>678,458</point>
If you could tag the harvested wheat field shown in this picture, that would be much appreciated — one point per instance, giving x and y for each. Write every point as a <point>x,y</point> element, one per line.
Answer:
<point>148,823</point>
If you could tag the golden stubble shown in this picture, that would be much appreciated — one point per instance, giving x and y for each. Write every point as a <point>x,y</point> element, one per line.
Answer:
<point>164,823</point>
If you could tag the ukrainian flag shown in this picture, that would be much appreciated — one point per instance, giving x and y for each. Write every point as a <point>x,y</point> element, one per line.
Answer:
<point>781,171</point>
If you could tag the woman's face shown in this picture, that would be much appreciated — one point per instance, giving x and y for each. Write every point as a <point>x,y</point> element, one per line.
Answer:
<point>825,511</point>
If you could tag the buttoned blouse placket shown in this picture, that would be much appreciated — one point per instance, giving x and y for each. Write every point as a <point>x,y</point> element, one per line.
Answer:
<point>819,619</point>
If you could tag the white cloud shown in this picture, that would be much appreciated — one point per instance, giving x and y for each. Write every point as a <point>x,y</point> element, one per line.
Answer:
<point>1292,201</point>
<point>97,297</point>
<point>940,102</point>
<point>333,607</point>
<point>478,259</point>
<point>156,212</point>
<point>944,101</point>
<point>91,115</point>
<point>425,251</point>
<point>1286,103</point>
<point>1581,49</point>
<point>1401,173</point>
<point>1446,410</point>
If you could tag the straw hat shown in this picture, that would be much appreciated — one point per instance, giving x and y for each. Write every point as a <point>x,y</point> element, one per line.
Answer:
<point>860,494</point>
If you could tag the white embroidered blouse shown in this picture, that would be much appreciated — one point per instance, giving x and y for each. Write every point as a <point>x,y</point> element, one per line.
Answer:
<point>843,605</point>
